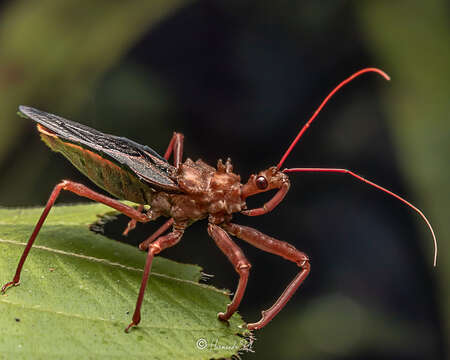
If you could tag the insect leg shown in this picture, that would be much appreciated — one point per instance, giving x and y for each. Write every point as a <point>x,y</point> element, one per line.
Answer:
<point>271,204</point>
<point>132,223</point>
<point>277,247</point>
<point>240,263</point>
<point>144,245</point>
<point>81,190</point>
<point>154,248</point>
<point>175,146</point>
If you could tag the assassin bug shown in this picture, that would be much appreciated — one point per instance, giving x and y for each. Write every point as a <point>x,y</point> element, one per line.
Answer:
<point>184,192</point>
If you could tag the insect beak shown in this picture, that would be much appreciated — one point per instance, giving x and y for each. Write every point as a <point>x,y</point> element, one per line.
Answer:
<point>275,180</point>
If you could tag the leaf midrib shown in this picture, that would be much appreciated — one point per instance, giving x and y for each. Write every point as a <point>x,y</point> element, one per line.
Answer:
<point>115,264</point>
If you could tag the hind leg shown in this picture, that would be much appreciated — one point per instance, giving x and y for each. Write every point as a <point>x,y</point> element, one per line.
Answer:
<point>80,190</point>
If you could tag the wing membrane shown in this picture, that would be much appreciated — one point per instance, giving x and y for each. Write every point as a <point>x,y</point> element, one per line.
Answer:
<point>143,161</point>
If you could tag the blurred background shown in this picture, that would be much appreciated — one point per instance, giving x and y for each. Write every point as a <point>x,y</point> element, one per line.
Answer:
<point>239,78</point>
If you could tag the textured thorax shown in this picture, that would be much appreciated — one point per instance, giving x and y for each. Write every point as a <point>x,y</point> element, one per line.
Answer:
<point>207,191</point>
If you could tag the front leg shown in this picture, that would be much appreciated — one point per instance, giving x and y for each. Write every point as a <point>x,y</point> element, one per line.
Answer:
<point>271,204</point>
<point>277,247</point>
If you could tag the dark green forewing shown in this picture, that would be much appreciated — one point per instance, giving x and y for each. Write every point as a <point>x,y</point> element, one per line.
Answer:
<point>143,161</point>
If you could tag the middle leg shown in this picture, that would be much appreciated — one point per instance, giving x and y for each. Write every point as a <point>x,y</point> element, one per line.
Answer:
<point>144,245</point>
<point>240,263</point>
<point>154,248</point>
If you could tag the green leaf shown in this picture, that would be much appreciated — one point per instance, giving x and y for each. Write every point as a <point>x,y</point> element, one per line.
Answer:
<point>79,289</point>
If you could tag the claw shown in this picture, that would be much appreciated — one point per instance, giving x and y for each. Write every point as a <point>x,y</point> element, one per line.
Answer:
<point>127,330</point>
<point>222,317</point>
<point>8,285</point>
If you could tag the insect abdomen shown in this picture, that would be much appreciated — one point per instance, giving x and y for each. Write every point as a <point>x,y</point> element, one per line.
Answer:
<point>104,173</point>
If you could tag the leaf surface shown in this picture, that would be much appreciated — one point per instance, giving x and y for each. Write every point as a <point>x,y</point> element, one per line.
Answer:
<point>79,289</point>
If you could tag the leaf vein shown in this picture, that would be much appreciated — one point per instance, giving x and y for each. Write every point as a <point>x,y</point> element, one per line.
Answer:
<point>116,264</point>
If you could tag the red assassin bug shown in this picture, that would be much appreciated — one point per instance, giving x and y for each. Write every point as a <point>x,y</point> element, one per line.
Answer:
<point>185,192</point>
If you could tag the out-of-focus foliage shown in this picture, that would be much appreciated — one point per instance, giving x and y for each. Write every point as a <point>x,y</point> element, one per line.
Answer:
<point>52,54</point>
<point>413,40</point>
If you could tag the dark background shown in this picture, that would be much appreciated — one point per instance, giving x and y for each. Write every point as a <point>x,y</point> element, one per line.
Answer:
<point>239,78</point>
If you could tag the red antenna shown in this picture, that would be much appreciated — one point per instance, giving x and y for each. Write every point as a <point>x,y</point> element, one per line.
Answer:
<point>335,90</point>
<point>345,171</point>
<point>359,177</point>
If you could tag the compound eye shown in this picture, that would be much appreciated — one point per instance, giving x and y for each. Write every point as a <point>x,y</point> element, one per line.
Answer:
<point>261,182</point>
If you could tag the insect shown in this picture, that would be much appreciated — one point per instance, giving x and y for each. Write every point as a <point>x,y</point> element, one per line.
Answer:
<point>184,193</point>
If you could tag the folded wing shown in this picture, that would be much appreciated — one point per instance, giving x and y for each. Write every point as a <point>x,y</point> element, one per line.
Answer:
<point>144,162</point>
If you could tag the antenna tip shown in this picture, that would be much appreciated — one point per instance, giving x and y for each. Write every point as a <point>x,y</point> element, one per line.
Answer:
<point>374,69</point>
